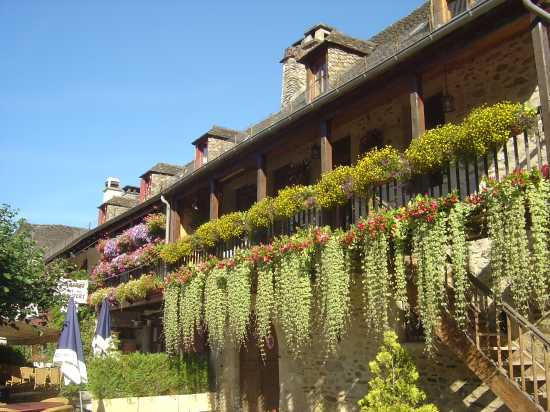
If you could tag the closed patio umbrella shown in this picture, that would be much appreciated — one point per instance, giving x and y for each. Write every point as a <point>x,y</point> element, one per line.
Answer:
<point>102,337</point>
<point>69,354</point>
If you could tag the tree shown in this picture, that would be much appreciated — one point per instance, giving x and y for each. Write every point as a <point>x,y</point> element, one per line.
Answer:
<point>393,387</point>
<point>24,278</point>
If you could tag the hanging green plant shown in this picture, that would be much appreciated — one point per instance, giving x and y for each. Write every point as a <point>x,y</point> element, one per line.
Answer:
<point>537,194</point>
<point>230,225</point>
<point>332,287</point>
<point>191,308</point>
<point>399,232</point>
<point>429,248</point>
<point>215,306</point>
<point>238,306</point>
<point>172,293</point>
<point>293,292</point>
<point>458,211</point>
<point>376,278</point>
<point>510,258</point>
<point>265,300</point>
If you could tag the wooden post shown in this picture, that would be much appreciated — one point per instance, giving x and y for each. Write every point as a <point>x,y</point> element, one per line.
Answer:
<point>418,124</point>
<point>214,201</point>
<point>417,105</point>
<point>261,178</point>
<point>539,36</point>
<point>326,146</point>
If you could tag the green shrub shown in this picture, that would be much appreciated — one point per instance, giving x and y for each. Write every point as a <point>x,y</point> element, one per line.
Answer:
<point>152,374</point>
<point>393,387</point>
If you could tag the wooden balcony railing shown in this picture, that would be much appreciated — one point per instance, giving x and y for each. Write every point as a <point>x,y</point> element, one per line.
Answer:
<point>156,269</point>
<point>507,338</point>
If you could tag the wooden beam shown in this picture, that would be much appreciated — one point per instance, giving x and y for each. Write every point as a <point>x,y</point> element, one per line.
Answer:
<point>418,124</point>
<point>507,390</point>
<point>261,177</point>
<point>542,63</point>
<point>214,201</point>
<point>326,146</point>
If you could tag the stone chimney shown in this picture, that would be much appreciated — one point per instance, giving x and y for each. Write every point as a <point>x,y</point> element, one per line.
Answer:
<point>294,75</point>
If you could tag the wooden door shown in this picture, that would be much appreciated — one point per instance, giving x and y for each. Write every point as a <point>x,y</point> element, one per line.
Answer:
<point>259,378</point>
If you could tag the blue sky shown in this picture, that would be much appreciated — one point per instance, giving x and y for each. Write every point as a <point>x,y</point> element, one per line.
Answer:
<point>92,89</point>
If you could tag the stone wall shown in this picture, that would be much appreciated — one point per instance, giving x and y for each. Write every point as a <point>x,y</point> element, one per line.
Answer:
<point>313,380</point>
<point>294,80</point>
<point>339,61</point>
<point>159,182</point>
<point>113,211</point>
<point>217,146</point>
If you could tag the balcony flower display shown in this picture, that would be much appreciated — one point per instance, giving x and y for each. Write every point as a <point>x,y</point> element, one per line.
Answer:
<point>299,173</point>
<point>370,140</point>
<point>130,291</point>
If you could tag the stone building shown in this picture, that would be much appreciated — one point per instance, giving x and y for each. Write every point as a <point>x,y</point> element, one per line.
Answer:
<point>431,67</point>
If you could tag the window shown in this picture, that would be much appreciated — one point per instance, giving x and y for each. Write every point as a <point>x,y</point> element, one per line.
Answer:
<point>201,154</point>
<point>318,77</point>
<point>341,152</point>
<point>281,178</point>
<point>445,10</point>
<point>203,149</point>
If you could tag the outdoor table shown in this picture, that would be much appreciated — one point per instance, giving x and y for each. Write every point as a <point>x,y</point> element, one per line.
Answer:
<point>32,406</point>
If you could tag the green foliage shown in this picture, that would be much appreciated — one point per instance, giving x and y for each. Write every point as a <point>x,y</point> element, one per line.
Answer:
<point>174,251</point>
<point>333,281</point>
<point>505,205</point>
<point>331,189</point>
<point>265,301</point>
<point>294,295</point>
<point>262,213</point>
<point>238,302</point>
<point>434,148</point>
<point>24,278</point>
<point>393,387</point>
<point>291,200</point>
<point>152,374</point>
<point>216,306</point>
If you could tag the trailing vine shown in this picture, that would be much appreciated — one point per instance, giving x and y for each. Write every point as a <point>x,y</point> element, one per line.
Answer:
<point>265,301</point>
<point>238,288</point>
<point>457,237</point>
<point>293,294</point>
<point>429,248</point>
<point>172,292</point>
<point>333,279</point>
<point>376,285</point>
<point>215,306</point>
<point>191,309</point>
<point>399,236</point>
<point>537,198</point>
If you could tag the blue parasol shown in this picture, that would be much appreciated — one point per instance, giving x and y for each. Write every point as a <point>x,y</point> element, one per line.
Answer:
<point>102,337</point>
<point>69,355</point>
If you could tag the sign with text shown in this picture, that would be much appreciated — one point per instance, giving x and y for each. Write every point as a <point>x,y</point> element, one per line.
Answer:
<point>78,289</point>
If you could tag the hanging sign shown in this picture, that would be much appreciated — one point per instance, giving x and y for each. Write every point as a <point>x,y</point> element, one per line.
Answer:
<point>78,289</point>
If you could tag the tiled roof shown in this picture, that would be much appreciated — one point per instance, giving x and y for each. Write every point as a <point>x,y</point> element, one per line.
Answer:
<point>300,50</point>
<point>50,235</point>
<point>187,169</point>
<point>164,168</point>
<point>124,201</point>
<point>361,46</point>
<point>221,132</point>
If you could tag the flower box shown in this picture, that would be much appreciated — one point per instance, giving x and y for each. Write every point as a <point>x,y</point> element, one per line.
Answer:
<point>192,403</point>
